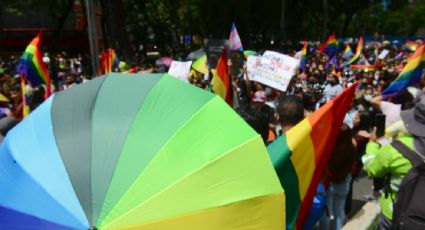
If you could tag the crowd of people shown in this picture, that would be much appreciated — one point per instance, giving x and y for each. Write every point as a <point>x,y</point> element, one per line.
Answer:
<point>272,112</point>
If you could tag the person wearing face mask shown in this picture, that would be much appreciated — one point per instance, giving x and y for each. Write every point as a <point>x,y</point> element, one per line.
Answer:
<point>333,88</point>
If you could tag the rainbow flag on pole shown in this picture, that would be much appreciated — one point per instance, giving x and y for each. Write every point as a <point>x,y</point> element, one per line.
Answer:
<point>235,40</point>
<point>331,45</point>
<point>303,56</point>
<point>32,67</point>
<point>301,155</point>
<point>411,74</point>
<point>347,52</point>
<point>220,82</point>
<point>358,52</point>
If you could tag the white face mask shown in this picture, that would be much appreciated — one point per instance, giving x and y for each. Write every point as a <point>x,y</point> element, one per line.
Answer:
<point>368,97</point>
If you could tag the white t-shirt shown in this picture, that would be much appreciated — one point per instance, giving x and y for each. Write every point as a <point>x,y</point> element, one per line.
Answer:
<point>391,111</point>
<point>331,91</point>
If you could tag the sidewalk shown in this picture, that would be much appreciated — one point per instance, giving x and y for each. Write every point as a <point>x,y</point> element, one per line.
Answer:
<point>364,217</point>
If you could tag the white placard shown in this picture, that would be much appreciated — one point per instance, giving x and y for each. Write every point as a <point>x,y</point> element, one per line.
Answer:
<point>180,70</point>
<point>273,69</point>
<point>383,54</point>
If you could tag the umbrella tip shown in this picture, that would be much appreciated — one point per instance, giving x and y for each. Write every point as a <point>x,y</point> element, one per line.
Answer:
<point>92,228</point>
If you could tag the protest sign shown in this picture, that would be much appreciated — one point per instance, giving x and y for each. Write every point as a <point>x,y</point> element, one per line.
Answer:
<point>180,70</point>
<point>273,69</point>
<point>383,54</point>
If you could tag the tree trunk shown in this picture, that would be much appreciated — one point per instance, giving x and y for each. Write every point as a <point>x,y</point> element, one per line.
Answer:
<point>282,21</point>
<point>325,19</point>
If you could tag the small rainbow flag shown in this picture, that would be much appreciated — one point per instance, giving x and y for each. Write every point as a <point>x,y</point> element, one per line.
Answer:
<point>347,52</point>
<point>366,68</point>
<point>132,70</point>
<point>412,46</point>
<point>331,45</point>
<point>220,82</point>
<point>303,56</point>
<point>358,52</point>
<point>301,155</point>
<point>108,60</point>
<point>411,74</point>
<point>32,67</point>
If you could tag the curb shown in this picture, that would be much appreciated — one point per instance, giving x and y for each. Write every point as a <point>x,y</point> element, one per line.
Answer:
<point>364,217</point>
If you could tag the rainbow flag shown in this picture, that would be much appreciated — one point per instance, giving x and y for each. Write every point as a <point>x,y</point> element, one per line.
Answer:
<point>220,82</point>
<point>366,68</point>
<point>24,94</point>
<point>32,67</point>
<point>303,56</point>
<point>108,61</point>
<point>301,155</point>
<point>412,46</point>
<point>347,52</point>
<point>331,45</point>
<point>411,74</point>
<point>358,52</point>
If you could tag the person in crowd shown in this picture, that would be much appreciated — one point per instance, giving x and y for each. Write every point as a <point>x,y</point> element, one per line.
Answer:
<point>387,161</point>
<point>290,111</point>
<point>338,178</point>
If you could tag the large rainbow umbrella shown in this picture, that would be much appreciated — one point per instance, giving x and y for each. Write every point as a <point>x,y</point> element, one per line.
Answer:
<point>131,152</point>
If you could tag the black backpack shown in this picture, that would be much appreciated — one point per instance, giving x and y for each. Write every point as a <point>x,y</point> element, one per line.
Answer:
<point>409,207</point>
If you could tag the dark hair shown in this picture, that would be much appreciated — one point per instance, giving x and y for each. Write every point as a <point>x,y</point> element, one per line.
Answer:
<point>290,110</point>
<point>256,119</point>
<point>343,155</point>
<point>406,100</point>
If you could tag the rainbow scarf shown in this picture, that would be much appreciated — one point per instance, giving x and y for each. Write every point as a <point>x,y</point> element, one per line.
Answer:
<point>411,74</point>
<point>301,155</point>
<point>303,56</point>
<point>412,46</point>
<point>32,67</point>
<point>331,45</point>
<point>347,52</point>
<point>358,52</point>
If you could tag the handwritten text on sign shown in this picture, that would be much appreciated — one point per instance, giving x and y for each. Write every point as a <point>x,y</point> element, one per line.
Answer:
<point>273,69</point>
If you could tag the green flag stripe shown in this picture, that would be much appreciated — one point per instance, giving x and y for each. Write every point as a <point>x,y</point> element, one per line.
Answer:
<point>71,118</point>
<point>280,154</point>
<point>242,173</point>
<point>169,104</point>
<point>118,102</point>
<point>209,134</point>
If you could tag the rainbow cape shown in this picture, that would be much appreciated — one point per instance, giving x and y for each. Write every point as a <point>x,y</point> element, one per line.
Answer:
<point>301,155</point>
<point>358,52</point>
<point>347,52</point>
<point>411,74</point>
<point>32,67</point>
<point>303,56</point>
<point>331,45</point>
<point>220,82</point>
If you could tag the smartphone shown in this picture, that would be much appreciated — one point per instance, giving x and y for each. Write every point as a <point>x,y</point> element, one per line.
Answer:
<point>380,125</point>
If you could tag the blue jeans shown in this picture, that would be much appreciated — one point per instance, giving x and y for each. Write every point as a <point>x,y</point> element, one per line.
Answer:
<point>335,203</point>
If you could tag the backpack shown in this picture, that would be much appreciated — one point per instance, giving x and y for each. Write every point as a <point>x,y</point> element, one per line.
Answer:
<point>409,207</point>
